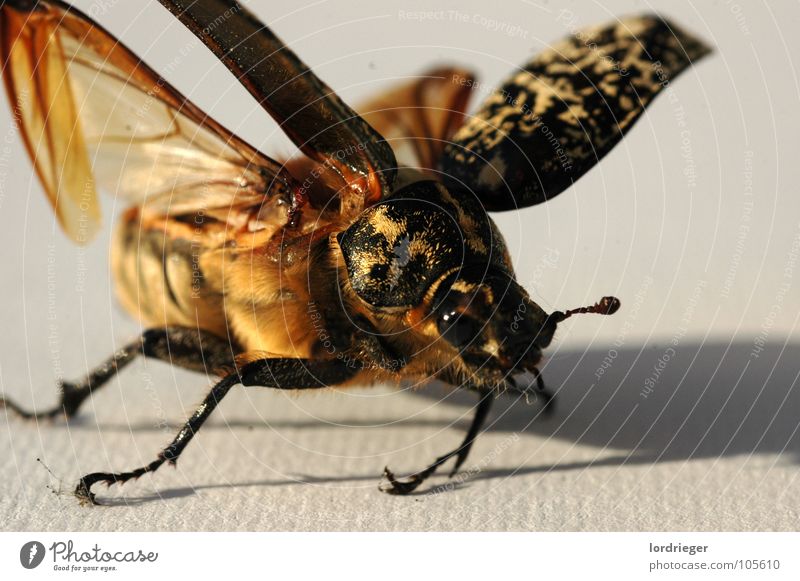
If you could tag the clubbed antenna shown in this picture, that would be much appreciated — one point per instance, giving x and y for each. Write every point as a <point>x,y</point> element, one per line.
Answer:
<point>605,306</point>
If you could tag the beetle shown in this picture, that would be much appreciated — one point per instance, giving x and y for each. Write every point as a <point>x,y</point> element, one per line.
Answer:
<point>371,258</point>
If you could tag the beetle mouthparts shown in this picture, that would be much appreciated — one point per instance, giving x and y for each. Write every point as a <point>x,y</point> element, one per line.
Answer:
<point>605,306</point>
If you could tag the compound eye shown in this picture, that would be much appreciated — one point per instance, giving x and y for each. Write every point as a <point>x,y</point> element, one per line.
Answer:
<point>458,329</point>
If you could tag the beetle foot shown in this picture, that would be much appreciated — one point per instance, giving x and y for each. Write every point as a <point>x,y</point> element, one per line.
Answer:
<point>72,396</point>
<point>83,492</point>
<point>84,489</point>
<point>400,487</point>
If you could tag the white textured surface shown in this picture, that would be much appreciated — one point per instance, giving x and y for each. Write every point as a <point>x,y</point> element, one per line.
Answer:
<point>714,447</point>
<point>605,461</point>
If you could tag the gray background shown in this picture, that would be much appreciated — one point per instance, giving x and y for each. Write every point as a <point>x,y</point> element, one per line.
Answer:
<point>692,221</point>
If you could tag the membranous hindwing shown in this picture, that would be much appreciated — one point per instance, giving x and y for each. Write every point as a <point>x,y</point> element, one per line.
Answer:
<point>398,248</point>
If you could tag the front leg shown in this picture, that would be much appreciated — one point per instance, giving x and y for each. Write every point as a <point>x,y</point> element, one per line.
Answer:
<point>275,373</point>
<point>412,483</point>
<point>540,390</point>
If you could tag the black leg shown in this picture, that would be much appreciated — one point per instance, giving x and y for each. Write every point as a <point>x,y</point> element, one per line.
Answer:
<point>185,347</point>
<point>169,454</point>
<point>412,483</point>
<point>541,389</point>
<point>549,398</point>
<point>275,373</point>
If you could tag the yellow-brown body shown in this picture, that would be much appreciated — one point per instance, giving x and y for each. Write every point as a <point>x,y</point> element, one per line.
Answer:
<point>273,292</point>
<point>195,274</point>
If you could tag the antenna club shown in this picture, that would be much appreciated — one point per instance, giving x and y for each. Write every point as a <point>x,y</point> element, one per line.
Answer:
<point>608,305</point>
<point>605,306</point>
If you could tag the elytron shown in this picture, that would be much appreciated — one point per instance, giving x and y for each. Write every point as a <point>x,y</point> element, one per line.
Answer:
<point>370,258</point>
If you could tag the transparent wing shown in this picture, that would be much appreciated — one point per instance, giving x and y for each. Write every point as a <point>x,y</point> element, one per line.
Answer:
<point>312,115</point>
<point>420,116</point>
<point>92,114</point>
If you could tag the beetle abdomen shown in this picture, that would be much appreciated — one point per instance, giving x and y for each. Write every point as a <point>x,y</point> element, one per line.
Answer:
<point>159,278</point>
